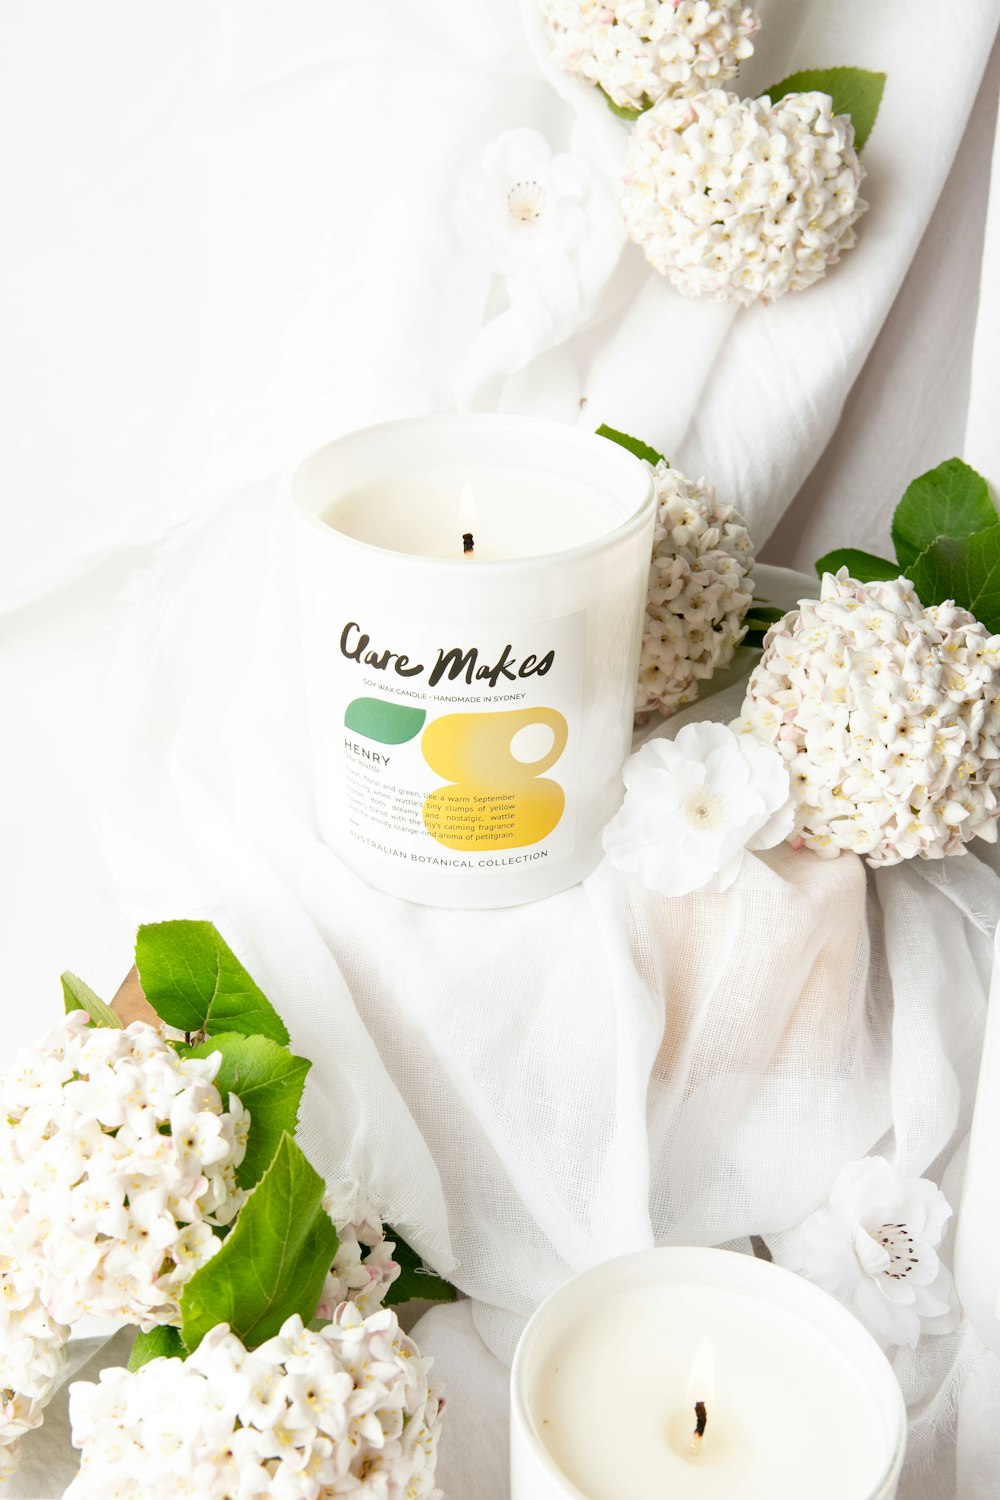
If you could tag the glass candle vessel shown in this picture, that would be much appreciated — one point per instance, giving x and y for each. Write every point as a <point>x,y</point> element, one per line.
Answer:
<point>701,1375</point>
<point>472,592</point>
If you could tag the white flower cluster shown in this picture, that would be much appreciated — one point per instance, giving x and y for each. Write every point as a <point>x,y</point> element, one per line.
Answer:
<point>888,716</point>
<point>116,1159</point>
<point>363,1269</point>
<point>345,1410</point>
<point>33,1354</point>
<point>639,51</point>
<point>738,199</point>
<point>699,592</point>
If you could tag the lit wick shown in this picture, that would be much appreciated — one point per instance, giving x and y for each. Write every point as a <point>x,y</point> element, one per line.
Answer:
<point>700,1423</point>
<point>467,518</point>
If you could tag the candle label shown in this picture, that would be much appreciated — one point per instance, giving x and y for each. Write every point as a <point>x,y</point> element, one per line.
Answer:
<point>462,753</point>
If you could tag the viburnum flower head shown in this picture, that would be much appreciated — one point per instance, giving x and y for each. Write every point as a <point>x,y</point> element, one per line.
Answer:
<point>32,1355</point>
<point>693,805</point>
<point>699,592</point>
<point>344,1410</point>
<point>875,1246</point>
<point>740,199</point>
<point>117,1159</point>
<point>639,51</point>
<point>363,1269</point>
<point>887,715</point>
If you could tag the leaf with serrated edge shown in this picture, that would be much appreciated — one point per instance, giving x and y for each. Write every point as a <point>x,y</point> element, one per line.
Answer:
<point>855,91</point>
<point>164,1342</point>
<point>272,1263</point>
<point>864,567</point>
<point>951,500</point>
<point>195,982</point>
<point>965,569</point>
<point>633,444</point>
<point>415,1280</point>
<point>268,1080</point>
<point>79,996</point>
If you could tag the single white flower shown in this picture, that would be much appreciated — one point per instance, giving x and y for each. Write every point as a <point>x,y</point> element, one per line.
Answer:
<point>524,204</point>
<point>888,718</point>
<point>699,592</point>
<point>550,227</point>
<point>347,1409</point>
<point>639,51</point>
<point>117,1160</point>
<point>875,1247</point>
<point>738,200</point>
<point>693,805</point>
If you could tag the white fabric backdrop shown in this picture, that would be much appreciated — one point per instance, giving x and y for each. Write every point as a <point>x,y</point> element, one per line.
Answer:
<point>230,240</point>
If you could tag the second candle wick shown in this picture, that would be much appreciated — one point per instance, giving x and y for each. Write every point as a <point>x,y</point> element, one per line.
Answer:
<point>700,1423</point>
<point>468,544</point>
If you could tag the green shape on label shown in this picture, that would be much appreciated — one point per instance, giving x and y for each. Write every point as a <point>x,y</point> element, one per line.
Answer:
<point>389,723</point>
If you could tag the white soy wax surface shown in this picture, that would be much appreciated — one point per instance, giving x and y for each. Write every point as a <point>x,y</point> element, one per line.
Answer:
<point>512,512</point>
<point>789,1415</point>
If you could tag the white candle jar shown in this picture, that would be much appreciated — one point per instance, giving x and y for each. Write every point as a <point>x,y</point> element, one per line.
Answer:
<point>800,1399</point>
<point>472,591</point>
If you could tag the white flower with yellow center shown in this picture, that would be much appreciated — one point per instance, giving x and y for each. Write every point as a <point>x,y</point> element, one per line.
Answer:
<point>639,51</point>
<point>363,1269</point>
<point>902,756</point>
<point>117,1161</point>
<point>738,200</point>
<point>549,226</point>
<point>693,805</point>
<point>347,1409</point>
<point>699,592</point>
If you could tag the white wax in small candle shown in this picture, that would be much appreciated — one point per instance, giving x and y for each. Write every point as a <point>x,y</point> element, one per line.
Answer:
<point>612,1403</point>
<point>518,512</point>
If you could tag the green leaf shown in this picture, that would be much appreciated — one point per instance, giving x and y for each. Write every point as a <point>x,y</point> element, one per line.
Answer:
<point>269,1081</point>
<point>195,982</point>
<point>634,445</point>
<point>623,111</point>
<point>79,996</point>
<point>762,616</point>
<point>272,1263</point>
<point>416,1280</point>
<point>949,501</point>
<point>165,1342</point>
<point>863,566</point>
<point>854,91</point>
<point>966,569</point>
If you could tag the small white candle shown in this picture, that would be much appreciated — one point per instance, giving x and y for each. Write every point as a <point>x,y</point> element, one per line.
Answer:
<point>977,1240</point>
<point>619,1370</point>
<point>473,590</point>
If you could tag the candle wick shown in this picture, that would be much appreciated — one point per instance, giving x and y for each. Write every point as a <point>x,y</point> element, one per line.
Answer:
<point>468,545</point>
<point>700,1423</point>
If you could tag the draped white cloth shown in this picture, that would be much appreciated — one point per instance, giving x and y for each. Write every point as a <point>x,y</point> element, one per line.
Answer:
<point>232,240</point>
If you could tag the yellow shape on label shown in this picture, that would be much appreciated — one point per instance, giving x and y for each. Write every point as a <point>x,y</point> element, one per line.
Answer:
<point>494,800</point>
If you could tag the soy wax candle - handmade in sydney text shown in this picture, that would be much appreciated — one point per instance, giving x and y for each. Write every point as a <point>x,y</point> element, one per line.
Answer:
<point>472,593</point>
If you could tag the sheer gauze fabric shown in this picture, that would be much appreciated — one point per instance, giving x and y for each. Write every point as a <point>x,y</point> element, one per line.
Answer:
<point>532,1090</point>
